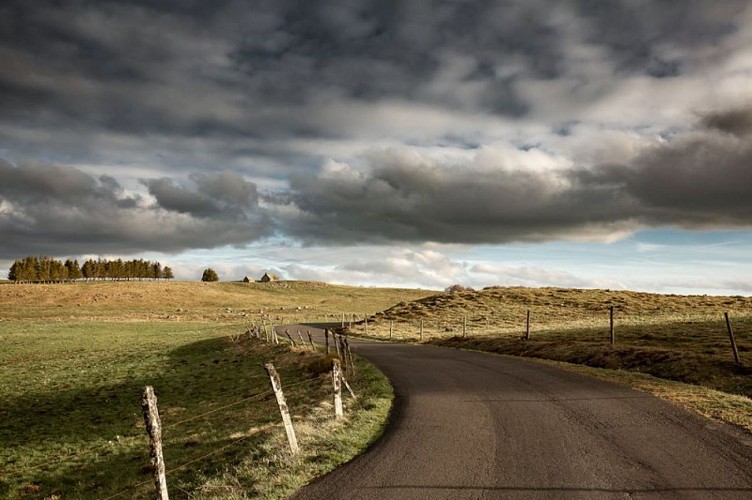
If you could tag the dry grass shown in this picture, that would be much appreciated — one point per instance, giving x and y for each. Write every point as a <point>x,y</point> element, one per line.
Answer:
<point>503,310</point>
<point>283,301</point>
<point>670,337</point>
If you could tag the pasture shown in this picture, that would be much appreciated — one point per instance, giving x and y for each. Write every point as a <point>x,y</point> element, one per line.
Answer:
<point>75,358</point>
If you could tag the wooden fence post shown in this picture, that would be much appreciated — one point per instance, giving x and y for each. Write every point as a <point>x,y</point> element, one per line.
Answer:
<point>336,379</point>
<point>391,328</point>
<point>731,338</point>
<point>287,332</point>
<point>326,340</point>
<point>366,316</point>
<point>154,429</point>
<point>611,315</point>
<point>310,339</point>
<point>421,330</point>
<point>277,388</point>
<point>343,320</point>
<point>302,342</point>
<point>348,357</point>
<point>527,326</point>
<point>349,389</point>
<point>336,344</point>
<point>464,326</point>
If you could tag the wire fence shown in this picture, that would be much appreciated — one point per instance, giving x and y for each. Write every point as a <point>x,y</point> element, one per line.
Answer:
<point>224,411</point>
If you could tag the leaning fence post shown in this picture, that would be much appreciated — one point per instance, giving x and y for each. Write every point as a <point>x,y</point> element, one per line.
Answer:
<point>277,388</point>
<point>731,338</point>
<point>611,314</point>
<point>302,342</point>
<point>348,357</point>
<point>347,386</point>
<point>154,429</point>
<point>287,332</point>
<point>336,381</point>
<point>310,339</point>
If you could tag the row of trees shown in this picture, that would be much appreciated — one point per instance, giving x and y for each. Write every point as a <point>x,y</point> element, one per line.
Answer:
<point>48,270</point>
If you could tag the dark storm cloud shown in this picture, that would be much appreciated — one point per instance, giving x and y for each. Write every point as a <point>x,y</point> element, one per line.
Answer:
<point>63,211</point>
<point>405,198</point>
<point>637,33</point>
<point>700,180</point>
<point>178,87</point>
<point>223,194</point>
<point>241,69</point>
<point>733,121</point>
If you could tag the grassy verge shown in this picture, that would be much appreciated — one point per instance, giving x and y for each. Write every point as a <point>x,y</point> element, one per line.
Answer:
<point>675,346</point>
<point>271,472</point>
<point>71,425</point>
<point>680,363</point>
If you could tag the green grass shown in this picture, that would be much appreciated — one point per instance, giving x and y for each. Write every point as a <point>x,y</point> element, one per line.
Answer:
<point>325,444</point>
<point>70,417</point>
<point>76,357</point>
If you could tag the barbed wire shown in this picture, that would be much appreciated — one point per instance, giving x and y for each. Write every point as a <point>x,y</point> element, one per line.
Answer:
<point>68,458</point>
<point>215,410</point>
<point>193,461</point>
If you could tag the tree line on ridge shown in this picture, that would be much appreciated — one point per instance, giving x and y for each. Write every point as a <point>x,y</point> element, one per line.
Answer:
<point>44,269</point>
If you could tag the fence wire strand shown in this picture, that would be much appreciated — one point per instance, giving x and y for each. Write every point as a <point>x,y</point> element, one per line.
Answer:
<point>215,410</point>
<point>19,473</point>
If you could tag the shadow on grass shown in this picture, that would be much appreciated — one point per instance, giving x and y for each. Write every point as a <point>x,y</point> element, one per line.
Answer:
<point>90,442</point>
<point>696,353</point>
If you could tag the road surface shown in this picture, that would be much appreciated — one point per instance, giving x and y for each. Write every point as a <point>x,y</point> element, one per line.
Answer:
<point>474,425</point>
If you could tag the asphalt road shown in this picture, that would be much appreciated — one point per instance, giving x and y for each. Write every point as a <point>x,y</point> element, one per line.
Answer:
<point>474,425</point>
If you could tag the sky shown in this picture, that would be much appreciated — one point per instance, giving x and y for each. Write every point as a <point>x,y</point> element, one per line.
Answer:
<point>576,143</point>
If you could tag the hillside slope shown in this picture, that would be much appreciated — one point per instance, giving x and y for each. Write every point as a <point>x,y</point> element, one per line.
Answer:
<point>230,301</point>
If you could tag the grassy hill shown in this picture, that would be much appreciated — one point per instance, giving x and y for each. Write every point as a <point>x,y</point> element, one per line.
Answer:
<point>196,301</point>
<point>669,337</point>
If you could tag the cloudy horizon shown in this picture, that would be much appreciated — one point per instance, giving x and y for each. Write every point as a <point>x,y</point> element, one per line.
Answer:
<point>419,143</point>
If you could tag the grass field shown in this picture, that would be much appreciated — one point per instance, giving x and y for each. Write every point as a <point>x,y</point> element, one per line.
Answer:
<point>670,337</point>
<point>75,358</point>
<point>235,302</point>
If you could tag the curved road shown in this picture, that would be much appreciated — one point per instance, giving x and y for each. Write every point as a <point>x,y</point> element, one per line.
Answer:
<point>474,425</point>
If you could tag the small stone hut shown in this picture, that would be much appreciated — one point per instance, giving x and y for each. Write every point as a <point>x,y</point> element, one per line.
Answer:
<point>266,278</point>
